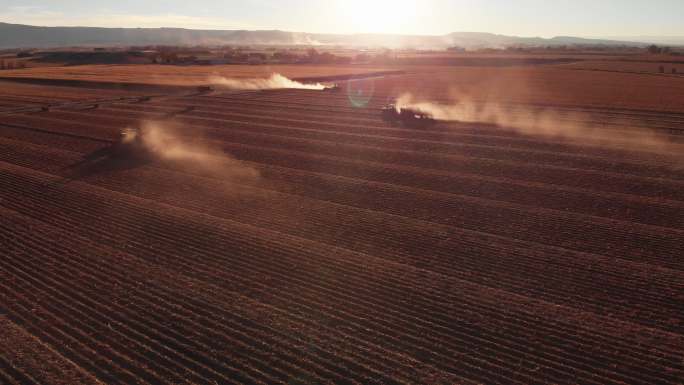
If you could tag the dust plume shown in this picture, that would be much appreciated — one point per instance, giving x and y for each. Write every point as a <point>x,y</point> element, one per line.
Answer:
<point>575,127</point>
<point>165,142</point>
<point>276,81</point>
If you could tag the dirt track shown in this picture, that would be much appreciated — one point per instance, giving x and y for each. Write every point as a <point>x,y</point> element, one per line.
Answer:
<point>361,253</point>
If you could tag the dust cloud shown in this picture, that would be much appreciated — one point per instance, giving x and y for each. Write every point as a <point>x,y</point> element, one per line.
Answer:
<point>165,141</point>
<point>575,127</point>
<point>275,81</point>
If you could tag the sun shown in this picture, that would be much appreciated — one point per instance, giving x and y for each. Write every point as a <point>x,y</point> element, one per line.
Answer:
<point>378,16</point>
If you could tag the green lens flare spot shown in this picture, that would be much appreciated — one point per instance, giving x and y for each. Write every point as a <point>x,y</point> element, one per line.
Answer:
<point>360,92</point>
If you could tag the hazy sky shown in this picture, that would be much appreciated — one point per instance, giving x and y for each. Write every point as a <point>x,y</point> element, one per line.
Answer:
<point>546,18</point>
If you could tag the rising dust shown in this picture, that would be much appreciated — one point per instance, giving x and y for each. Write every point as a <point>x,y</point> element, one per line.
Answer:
<point>275,81</point>
<point>573,127</point>
<point>167,143</point>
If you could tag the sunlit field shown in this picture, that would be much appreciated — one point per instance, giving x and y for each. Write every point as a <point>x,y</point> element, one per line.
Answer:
<point>370,199</point>
<point>173,75</point>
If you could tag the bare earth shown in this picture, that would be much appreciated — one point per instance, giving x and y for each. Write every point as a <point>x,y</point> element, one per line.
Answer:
<point>292,236</point>
<point>181,75</point>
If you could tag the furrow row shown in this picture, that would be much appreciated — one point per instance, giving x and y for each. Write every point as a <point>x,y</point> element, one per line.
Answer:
<point>610,237</point>
<point>152,304</point>
<point>525,266</point>
<point>477,144</point>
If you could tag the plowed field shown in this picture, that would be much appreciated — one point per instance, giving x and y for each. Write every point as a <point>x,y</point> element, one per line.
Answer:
<point>313,243</point>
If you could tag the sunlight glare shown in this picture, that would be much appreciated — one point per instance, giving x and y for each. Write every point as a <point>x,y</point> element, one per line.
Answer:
<point>378,16</point>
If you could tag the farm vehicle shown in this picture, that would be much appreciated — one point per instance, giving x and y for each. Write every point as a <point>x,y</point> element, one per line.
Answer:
<point>408,117</point>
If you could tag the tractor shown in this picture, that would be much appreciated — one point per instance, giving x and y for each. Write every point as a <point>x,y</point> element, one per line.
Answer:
<point>205,89</point>
<point>130,145</point>
<point>408,117</point>
<point>127,152</point>
<point>335,88</point>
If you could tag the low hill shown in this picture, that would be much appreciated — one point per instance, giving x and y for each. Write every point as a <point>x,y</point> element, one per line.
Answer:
<point>26,36</point>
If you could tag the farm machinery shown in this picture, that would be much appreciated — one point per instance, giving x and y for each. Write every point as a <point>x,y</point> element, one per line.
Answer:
<point>335,88</point>
<point>130,145</point>
<point>408,117</point>
<point>127,152</point>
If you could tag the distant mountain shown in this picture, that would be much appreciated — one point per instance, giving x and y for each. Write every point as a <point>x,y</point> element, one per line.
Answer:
<point>25,36</point>
<point>489,40</point>
<point>661,40</point>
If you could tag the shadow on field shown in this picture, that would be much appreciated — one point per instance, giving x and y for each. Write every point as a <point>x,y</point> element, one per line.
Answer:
<point>113,158</point>
<point>162,143</point>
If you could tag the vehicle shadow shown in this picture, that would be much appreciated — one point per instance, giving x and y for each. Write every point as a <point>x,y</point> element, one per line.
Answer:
<point>107,160</point>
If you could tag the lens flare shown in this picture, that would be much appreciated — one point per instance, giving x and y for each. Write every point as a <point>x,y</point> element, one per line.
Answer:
<point>360,92</point>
